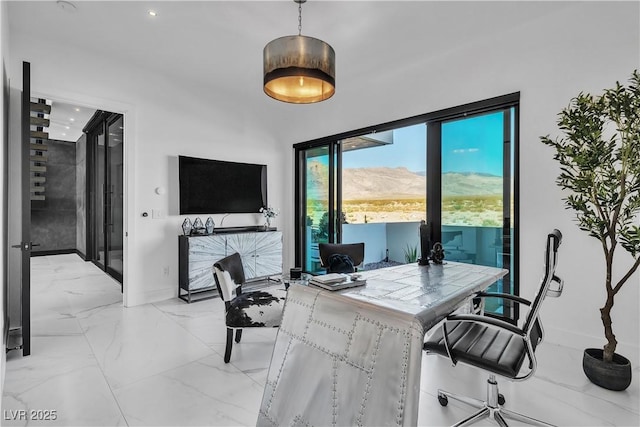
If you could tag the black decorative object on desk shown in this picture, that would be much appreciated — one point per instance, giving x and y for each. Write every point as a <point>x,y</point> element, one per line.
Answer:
<point>295,273</point>
<point>424,243</point>
<point>187,227</point>
<point>209,225</point>
<point>437,253</point>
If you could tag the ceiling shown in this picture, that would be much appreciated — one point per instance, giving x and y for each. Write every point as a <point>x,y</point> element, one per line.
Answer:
<point>68,120</point>
<point>218,45</point>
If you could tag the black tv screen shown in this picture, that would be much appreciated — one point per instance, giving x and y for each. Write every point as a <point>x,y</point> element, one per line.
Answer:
<point>215,186</point>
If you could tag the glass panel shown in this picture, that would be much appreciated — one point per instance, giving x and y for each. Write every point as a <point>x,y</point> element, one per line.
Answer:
<point>473,192</point>
<point>99,197</point>
<point>316,205</point>
<point>384,190</point>
<point>115,194</point>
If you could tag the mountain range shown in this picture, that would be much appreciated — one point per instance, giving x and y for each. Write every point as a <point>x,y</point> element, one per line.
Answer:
<point>377,183</point>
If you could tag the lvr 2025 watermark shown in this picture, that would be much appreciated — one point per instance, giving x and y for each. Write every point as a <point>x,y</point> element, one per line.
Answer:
<point>30,414</point>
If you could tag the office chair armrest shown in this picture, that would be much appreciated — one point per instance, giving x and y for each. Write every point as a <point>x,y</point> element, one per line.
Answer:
<point>492,321</point>
<point>503,296</point>
<point>557,291</point>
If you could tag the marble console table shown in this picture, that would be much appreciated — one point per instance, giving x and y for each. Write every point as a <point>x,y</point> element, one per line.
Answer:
<point>353,357</point>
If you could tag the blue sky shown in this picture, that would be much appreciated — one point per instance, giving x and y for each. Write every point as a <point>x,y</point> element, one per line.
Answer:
<point>468,145</point>
<point>473,145</point>
<point>408,150</point>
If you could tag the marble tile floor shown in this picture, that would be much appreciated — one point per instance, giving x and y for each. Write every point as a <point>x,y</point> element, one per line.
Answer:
<point>98,364</point>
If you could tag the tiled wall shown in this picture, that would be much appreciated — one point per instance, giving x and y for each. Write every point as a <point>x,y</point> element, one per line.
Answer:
<point>53,222</point>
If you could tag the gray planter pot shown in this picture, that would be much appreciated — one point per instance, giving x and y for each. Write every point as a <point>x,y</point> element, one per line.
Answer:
<point>613,376</point>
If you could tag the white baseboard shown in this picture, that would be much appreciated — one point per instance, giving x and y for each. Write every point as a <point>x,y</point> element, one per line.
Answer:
<point>139,298</point>
<point>582,341</point>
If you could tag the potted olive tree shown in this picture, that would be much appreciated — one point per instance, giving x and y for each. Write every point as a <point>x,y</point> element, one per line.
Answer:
<point>599,156</point>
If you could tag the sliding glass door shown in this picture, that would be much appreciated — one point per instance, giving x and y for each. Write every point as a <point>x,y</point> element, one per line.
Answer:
<point>384,188</point>
<point>477,194</point>
<point>318,199</point>
<point>105,184</point>
<point>114,203</point>
<point>455,169</point>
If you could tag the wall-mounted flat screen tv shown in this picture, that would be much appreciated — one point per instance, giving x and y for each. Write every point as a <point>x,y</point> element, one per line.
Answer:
<point>215,186</point>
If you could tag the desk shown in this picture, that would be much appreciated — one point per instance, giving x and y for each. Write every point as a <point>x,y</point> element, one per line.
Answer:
<point>353,357</point>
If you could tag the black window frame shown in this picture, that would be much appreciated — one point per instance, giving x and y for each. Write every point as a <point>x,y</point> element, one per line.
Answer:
<point>433,121</point>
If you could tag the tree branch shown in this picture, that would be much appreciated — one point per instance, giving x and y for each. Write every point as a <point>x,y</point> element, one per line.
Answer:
<point>627,276</point>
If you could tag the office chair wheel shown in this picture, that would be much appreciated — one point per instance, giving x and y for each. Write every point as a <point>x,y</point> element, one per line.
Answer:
<point>501,399</point>
<point>443,399</point>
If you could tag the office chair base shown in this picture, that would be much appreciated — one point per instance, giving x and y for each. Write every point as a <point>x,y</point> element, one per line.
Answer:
<point>491,408</point>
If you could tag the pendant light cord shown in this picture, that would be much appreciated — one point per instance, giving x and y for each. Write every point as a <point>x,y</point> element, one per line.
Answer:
<point>299,18</point>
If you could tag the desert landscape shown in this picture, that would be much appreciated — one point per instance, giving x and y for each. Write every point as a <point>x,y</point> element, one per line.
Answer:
<point>398,195</point>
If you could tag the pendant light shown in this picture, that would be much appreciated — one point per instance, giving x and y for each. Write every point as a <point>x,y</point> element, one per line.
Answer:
<point>299,69</point>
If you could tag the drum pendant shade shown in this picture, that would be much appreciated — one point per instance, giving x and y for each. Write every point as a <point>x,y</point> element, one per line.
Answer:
<point>299,69</point>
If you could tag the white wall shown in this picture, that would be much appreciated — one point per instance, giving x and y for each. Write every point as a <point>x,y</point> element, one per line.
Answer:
<point>159,126</point>
<point>399,236</point>
<point>374,237</point>
<point>4,53</point>
<point>570,47</point>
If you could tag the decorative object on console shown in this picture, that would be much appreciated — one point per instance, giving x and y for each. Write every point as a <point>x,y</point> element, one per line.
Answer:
<point>598,157</point>
<point>198,227</point>
<point>268,213</point>
<point>437,253</point>
<point>209,225</point>
<point>187,227</point>
<point>299,69</point>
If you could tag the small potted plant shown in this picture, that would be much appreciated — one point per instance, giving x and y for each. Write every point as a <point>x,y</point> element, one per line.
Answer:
<point>268,213</point>
<point>410,253</point>
<point>599,158</point>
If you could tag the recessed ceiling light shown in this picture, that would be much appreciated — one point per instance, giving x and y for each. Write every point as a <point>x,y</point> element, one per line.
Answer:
<point>77,109</point>
<point>64,134</point>
<point>152,13</point>
<point>67,127</point>
<point>72,119</point>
